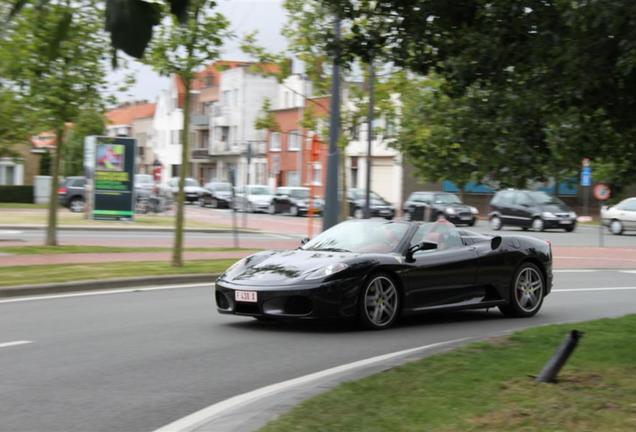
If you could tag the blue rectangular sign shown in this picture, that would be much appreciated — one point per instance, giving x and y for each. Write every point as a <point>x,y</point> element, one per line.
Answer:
<point>586,176</point>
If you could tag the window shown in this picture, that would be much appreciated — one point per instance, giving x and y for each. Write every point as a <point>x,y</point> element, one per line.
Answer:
<point>226,97</point>
<point>629,205</point>
<point>317,174</point>
<point>236,97</point>
<point>7,175</point>
<point>293,140</point>
<point>292,178</point>
<point>274,141</point>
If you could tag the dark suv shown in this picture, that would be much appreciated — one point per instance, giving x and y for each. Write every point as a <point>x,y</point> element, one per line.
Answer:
<point>216,194</point>
<point>378,206</point>
<point>295,201</point>
<point>530,209</point>
<point>430,206</point>
<point>71,193</point>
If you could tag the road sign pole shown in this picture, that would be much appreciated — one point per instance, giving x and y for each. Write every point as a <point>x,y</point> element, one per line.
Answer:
<point>601,240</point>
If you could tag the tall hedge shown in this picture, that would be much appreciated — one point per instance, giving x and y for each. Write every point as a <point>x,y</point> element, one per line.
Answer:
<point>16,194</point>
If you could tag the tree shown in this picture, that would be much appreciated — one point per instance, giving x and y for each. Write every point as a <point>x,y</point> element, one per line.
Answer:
<point>52,56</point>
<point>180,47</point>
<point>13,125</point>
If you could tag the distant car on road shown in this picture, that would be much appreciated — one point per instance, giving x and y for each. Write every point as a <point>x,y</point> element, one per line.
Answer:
<point>430,206</point>
<point>216,195</point>
<point>71,193</point>
<point>295,201</point>
<point>253,198</point>
<point>621,217</point>
<point>530,209</point>
<point>378,206</point>
<point>192,189</point>
<point>377,271</point>
<point>144,185</point>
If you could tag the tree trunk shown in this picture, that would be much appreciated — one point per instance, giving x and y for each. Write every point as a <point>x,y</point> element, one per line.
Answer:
<point>344,203</point>
<point>177,251</point>
<point>51,229</point>
<point>461,191</point>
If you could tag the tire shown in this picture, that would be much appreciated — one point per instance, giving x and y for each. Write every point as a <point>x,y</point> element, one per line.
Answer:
<point>271,209</point>
<point>472,222</point>
<point>495,223</point>
<point>538,225</point>
<point>407,216</point>
<point>201,202</point>
<point>293,210</point>
<point>358,213</point>
<point>571,228</point>
<point>616,227</point>
<point>527,290</point>
<point>76,205</point>
<point>214,203</point>
<point>380,302</point>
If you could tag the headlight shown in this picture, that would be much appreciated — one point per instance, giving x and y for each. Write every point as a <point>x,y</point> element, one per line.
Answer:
<point>326,271</point>
<point>474,210</point>
<point>450,211</point>
<point>573,215</point>
<point>547,215</point>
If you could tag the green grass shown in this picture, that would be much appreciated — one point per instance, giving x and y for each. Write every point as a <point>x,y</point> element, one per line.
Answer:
<point>23,206</point>
<point>486,387</point>
<point>39,274</point>
<point>70,249</point>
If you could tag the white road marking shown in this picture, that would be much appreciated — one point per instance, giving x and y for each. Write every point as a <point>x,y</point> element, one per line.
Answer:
<point>104,292</point>
<point>622,288</point>
<point>628,271</point>
<point>14,343</point>
<point>206,415</point>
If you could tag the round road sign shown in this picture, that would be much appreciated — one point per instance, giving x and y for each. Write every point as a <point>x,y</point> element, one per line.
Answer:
<point>601,192</point>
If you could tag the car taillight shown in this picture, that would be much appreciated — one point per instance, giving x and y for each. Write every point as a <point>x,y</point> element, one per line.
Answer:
<point>61,190</point>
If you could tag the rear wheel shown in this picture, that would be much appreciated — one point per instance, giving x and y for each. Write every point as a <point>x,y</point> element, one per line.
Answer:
<point>526,292</point>
<point>358,213</point>
<point>495,223</point>
<point>379,302</point>
<point>293,210</point>
<point>76,205</point>
<point>201,202</point>
<point>271,209</point>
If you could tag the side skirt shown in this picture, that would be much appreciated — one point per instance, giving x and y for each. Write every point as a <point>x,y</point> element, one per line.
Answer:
<point>480,305</point>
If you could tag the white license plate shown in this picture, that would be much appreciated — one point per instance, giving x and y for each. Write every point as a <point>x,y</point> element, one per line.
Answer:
<point>245,296</point>
<point>565,222</point>
<point>465,218</point>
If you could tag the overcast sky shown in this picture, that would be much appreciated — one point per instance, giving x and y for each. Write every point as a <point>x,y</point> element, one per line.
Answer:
<point>265,16</point>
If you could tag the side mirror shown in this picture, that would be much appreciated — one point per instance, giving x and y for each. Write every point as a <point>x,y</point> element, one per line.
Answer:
<point>304,241</point>
<point>423,245</point>
<point>495,242</point>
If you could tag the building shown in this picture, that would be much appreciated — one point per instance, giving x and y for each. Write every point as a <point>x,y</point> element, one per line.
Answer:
<point>243,92</point>
<point>134,120</point>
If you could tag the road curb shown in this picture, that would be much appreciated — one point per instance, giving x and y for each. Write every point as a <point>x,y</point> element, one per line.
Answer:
<point>135,228</point>
<point>88,285</point>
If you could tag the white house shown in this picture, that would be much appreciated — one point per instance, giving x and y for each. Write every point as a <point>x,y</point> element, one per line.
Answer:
<point>167,125</point>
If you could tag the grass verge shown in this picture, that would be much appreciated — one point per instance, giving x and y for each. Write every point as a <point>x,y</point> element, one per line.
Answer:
<point>71,249</point>
<point>486,387</point>
<point>22,206</point>
<point>40,274</point>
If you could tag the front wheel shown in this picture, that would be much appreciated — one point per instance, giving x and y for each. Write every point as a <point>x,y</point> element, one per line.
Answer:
<point>495,223</point>
<point>616,227</point>
<point>76,205</point>
<point>379,302</point>
<point>526,292</point>
<point>538,225</point>
<point>358,213</point>
<point>293,210</point>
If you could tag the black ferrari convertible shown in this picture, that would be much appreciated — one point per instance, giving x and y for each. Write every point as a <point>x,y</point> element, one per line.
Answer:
<point>377,270</point>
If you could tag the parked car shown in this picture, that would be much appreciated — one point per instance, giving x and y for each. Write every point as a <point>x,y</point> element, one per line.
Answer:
<point>71,193</point>
<point>144,185</point>
<point>429,206</point>
<point>295,201</point>
<point>378,206</point>
<point>253,198</point>
<point>192,189</point>
<point>621,217</point>
<point>216,194</point>
<point>530,209</point>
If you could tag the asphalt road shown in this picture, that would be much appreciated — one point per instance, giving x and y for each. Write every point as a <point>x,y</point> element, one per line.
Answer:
<point>137,361</point>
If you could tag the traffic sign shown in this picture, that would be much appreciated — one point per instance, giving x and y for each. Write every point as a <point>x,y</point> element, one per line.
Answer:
<point>601,192</point>
<point>586,176</point>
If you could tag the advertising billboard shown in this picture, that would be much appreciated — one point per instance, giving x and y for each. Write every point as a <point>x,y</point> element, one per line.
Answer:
<point>109,164</point>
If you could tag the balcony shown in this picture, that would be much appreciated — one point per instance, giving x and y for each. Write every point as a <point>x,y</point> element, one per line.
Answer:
<point>200,154</point>
<point>224,148</point>
<point>200,121</point>
<point>220,115</point>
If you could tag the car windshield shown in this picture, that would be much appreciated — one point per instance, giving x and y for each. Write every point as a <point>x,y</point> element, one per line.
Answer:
<point>222,187</point>
<point>143,179</point>
<point>299,193</point>
<point>361,194</point>
<point>260,190</point>
<point>447,199</point>
<point>191,182</point>
<point>543,198</point>
<point>377,236</point>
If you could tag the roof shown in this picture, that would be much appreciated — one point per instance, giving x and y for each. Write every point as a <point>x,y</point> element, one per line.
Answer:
<point>125,114</point>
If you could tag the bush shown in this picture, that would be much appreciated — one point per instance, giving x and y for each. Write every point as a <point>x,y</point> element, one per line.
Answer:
<point>16,194</point>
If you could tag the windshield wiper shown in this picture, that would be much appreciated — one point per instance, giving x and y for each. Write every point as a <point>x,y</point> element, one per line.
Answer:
<point>330,249</point>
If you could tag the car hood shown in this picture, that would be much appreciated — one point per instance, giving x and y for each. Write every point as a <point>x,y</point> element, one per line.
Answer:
<point>223,194</point>
<point>260,198</point>
<point>283,267</point>
<point>555,208</point>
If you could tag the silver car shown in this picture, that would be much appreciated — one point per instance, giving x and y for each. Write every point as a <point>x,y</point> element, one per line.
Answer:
<point>253,198</point>
<point>621,217</point>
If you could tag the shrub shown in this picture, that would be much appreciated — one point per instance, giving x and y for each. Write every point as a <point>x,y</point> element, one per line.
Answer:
<point>16,194</point>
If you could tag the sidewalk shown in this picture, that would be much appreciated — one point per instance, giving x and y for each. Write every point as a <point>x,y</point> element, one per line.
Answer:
<point>564,257</point>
